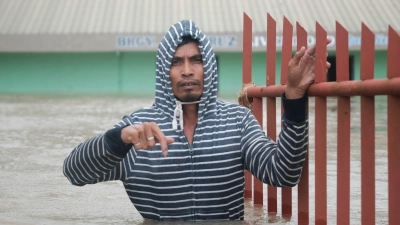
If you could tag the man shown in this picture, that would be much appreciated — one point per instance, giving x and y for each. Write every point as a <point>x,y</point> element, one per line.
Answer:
<point>184,157</point>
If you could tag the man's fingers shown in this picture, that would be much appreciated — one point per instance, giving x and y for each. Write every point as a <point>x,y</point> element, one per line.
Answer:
<point>142,137</point>
<point>328,65</point>
<point>145,136</point>
<point>169,140</point>
<point>132,136</point>
<point>328,40</point>
<point>149,139</point>
<point>311,51</point>
<point>297,56</point>
<point>160,137</point>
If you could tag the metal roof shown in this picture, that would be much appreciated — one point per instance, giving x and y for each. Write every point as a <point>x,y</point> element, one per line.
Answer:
<point>19,18</point>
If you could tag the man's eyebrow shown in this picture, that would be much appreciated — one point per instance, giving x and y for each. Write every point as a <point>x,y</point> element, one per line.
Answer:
<point>191,57</point>
<point>196,56</point>
<point>176,57</point>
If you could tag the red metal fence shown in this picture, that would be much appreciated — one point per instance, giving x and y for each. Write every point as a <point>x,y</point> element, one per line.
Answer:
<point>367,88</point>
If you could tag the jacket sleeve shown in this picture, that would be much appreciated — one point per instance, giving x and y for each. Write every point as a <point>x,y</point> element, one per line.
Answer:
<point>100,158</point>
<point>277,164</point>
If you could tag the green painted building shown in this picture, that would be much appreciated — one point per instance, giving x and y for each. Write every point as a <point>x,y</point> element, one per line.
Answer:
<point>109,47</point>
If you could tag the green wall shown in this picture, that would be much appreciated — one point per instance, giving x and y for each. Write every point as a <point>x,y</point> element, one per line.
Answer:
<point>380,64</point>
<point>138,73</point>
<point>77,73</point>
<point>230,71</point>
<point>130,73</point>
<point>57,72</point>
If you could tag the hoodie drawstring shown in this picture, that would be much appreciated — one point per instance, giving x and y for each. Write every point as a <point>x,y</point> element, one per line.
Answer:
<point>178,112</point>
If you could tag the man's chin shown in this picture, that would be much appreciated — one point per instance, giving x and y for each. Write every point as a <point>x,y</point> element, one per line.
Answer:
<point>189,98</point>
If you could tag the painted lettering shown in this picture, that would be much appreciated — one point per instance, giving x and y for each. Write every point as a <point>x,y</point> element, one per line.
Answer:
<point>136,41</point>
<point>354,40</point>
<point>223,41</point>
<point>259,40</point>
<point>279,41</point>
<point>381,40</point>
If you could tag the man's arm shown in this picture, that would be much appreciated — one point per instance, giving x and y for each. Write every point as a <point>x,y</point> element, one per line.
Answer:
<point>99,158</point>
<point>277,164</point>
<point>103,158</point>
<point>280,164</point>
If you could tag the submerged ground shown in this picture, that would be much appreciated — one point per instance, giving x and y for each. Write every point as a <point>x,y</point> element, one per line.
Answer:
<point>37,132</point>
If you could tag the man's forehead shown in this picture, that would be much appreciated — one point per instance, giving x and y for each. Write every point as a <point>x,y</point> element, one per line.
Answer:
<point>189,49</point>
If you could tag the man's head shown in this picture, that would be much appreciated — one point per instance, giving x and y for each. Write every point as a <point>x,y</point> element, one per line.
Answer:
<point>187,71</point>
<point>173,87</point>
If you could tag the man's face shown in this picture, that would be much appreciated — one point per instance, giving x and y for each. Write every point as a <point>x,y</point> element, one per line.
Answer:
<point>187,73</point>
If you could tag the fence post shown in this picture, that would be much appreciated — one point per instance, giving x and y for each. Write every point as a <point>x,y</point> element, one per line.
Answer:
<point>393,71</point>
<point>320,131</point>
<point>247,53</point>
<point>303,192</point>
<point>343,129</point>
<point>271,102</point>
<point>258,185</point>
<point>286,56</point>
<point>367,112</point>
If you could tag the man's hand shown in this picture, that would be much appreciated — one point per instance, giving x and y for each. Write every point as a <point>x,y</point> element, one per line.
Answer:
<point>145,136</point>
<point>301,72</point>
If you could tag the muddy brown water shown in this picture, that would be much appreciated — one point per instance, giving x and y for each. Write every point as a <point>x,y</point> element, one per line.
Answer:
<point>37,132</point>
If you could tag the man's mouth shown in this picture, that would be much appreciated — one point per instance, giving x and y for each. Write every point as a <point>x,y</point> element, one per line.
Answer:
<point>188,83</point>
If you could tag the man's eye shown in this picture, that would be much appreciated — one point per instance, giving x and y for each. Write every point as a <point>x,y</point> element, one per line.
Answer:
<point>175,62</point>
<point>198,60</point>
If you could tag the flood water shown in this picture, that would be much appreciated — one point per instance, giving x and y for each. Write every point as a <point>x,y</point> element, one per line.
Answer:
<point>37,132</point>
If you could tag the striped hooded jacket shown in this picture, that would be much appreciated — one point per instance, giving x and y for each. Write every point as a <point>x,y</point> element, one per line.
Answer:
<point>203,180</point>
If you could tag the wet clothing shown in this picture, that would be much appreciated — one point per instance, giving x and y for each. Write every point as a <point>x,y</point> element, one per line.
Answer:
<point>203,180</point>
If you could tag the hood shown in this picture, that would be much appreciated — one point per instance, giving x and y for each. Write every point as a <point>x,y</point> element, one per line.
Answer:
<point>164,96</point>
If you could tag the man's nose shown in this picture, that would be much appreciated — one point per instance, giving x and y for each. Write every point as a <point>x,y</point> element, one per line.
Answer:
<point>187,69</point>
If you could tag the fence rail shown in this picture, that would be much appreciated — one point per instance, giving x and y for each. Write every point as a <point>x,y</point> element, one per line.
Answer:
<point>367,88</point>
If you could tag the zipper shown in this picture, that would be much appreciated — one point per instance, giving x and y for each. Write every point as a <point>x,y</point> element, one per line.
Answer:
<point>191,153</point>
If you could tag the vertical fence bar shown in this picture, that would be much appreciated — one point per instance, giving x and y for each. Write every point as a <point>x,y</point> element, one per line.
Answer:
<point>320,130</point>
<point>286,56</point>
<point>247,51</point>
<point>247,48</point>
<point>258,185</point>
<point>393,70</point>
<point>343,129</point>
<point>271,101</point>
<point>367,129</point>
<point>286,49</point>
<point>303,192</point>
<point>271,51</point>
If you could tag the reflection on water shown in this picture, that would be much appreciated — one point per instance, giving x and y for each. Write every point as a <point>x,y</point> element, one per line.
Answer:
<point>38,132</point>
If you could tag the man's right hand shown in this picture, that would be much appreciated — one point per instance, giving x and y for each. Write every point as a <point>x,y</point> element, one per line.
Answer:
<point>145,136</point>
